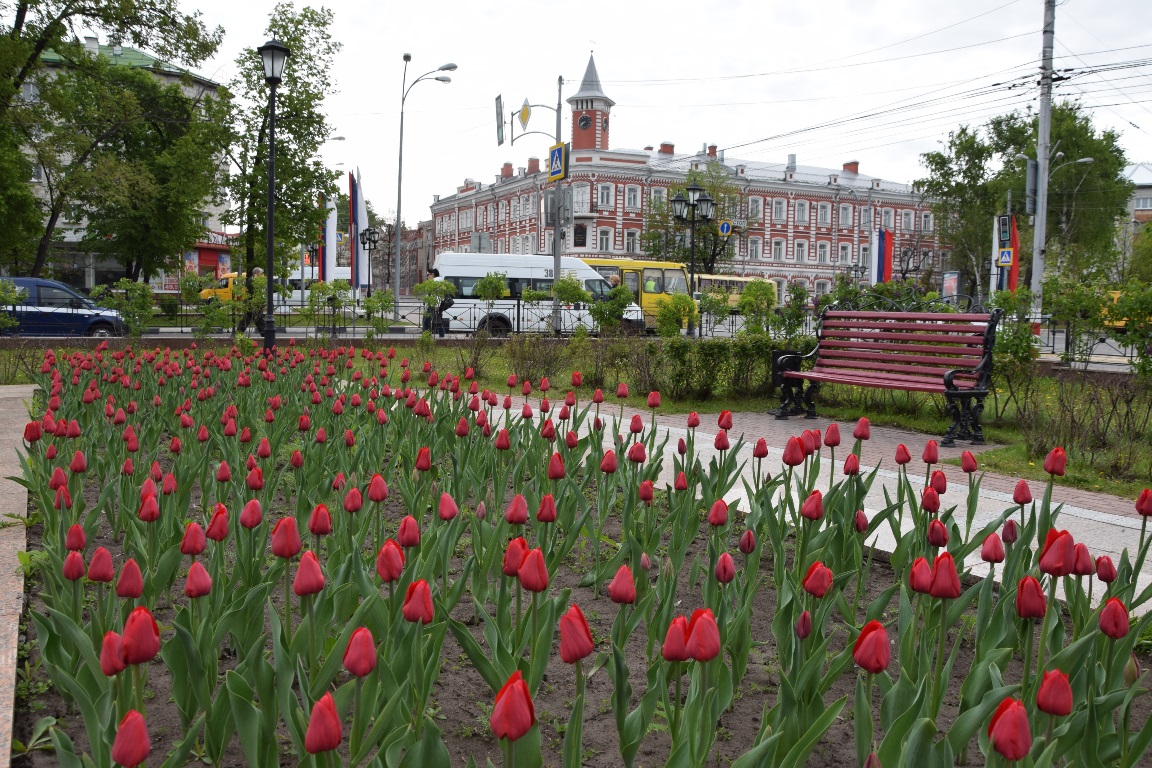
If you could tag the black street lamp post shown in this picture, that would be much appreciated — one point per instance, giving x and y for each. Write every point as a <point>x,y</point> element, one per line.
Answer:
<point>313,254</point>
<point>368,240</point>
<point>696,206</point>
<point>273,54</point>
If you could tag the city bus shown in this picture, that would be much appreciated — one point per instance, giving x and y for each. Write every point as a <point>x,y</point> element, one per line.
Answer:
<point>648,280</point>
<point>733,284</point>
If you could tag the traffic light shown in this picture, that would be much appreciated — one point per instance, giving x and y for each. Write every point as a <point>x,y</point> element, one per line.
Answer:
<point>1030,188</point>
<point>1004,225</point>
<point>499,120</point>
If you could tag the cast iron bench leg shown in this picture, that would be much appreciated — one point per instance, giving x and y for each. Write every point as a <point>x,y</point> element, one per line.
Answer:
<point>810,399</point>
<point>953,408</point>
<point>974,419</point>
<point>788,398</point>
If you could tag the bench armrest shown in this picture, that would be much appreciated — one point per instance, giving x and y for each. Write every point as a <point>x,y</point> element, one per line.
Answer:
<point>983,371</point>
<point>790,362</point>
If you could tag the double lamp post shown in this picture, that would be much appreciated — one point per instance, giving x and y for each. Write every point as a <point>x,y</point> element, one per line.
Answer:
<point>274,55</point>
<point>696,207</point>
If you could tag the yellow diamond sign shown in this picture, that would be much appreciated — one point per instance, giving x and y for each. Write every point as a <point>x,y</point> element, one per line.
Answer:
<point>524,113</point>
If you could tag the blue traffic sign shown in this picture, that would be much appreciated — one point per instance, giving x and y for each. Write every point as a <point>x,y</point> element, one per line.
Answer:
<point>725,228</point>
<point>558,162</point>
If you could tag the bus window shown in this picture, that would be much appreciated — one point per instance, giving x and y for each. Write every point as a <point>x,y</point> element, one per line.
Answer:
<point>515,287</point>
<point>653,281</point>
<point>607,271</point>
<point>632,282</point>
<point>465,286</point>
<point>674,281</point>
<point>542,285</point>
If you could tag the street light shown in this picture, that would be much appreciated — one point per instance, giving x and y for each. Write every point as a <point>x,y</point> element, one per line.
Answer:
<point>1040,229</point>
<point>696,206</point>
<point>274,55</point>
<point>404,89</point>
<point>368,240</point>
<point>313,254</point>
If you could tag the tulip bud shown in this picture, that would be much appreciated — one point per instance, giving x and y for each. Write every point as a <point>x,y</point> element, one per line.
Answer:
<point>804,625</point>
<point>992,551</point>
<point>748,542</point>
<point>718,514</point>
<point>418,603</point>
<point>1055,462</point>
<point>309,576</point>
<point>1105,569</point>
<point>110,661</point>
<point>360,653</point>
<point>861,521</point>
<point>902,454</point>
<point>937,534</point>
<point>622,588</point>
<point>1010,532</point>
<point>967,462</point>
<point>131,746</point>
<point>1132,670</point>
<point>325,730</point>
<point>863,429</point>
<point>725,568</point>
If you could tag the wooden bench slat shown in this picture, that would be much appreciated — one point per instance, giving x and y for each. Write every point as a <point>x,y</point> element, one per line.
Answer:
<point>901,384</point>
<point>898,326</point>
<point>980,318</point>
<point>920,338</point>
<point>894,357</point>
<point>851,367</point>
<point>880,346</point>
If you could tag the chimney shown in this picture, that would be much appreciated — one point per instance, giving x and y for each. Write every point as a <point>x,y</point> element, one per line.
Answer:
<point>721,155</point>
<point>533,165</point>
<point>435,198</point>
<point>667,148</point>
<point>791,164</point>
<point>92,45</point>
<point>711,150</point>
<point>506,171</point>
<point>852,166</point>
<point>648,148</point>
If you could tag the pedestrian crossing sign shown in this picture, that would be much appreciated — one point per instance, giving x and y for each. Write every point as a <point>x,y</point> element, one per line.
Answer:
<point>558,162</point>
<point>1004,257</point>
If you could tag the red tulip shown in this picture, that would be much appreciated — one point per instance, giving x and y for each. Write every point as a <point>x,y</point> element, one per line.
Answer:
<point>198,583</point>
<point>938,481</point>
<point>693,420</point>
<point>622,390</point>
<point>863,429</point>
<point>1144,502</point>
<point>149,511</point>
<point>100,568</point>
<point>703,636</point>
<point>320,521</point>
<point>818,580</point>
<point>255,479</point>
<point>286,538</point>
<point>992,550</point>
<point>75,539</point>
<point>141,639</point>
<point>1059,553</point>
<point>533,572</point>
<point>931,453</point>
<point>577,379</point>
<point>424,459</point>
<point>748,542</point>
<point>390,561</point>
<point>622,588</point>
<point>861,521</point>
<point>646,491</point>
<point>937,534</point>
<point>377,489</point>
<point>608,463</point>
<point>1030,600</point>
<point>130,585</point>
<point>1010,532</point>
<point>131,746</point>
<point>73,566</point>
<point>793,452</point>
<point>1055,462</point>
<point>945,580</point>
<point>902,454</point>
<point>517,511</point>
<point>1009,730</point>
<point>725,420</point>
<point>110,661</point>
<point>296,460</point>
<point>920,576</point>
<point>418,603</point>
<point>575,636</point>
<point>32,432</point>
<point>252,514</point>
<point>675,647</point>
<point>325,731</point>
<point>636,453</point>
<point>512,713</point>
<point>725,568</point>
<point>503,442</point>
<point>218,525</point>
<point>353,501</point>
<point>871,651</point>
<point>813,506</point>
<point>309,576</point>
<point>409,533</point>
<point>721,442</point>
<point>1055,694</point>
<point>339,482</point>
<point>681,482</point>
<point>804,625</point>
<point>930,500</point>
<point>968,462</point>
<point>1082,563</point>
<point>832,436</point>
<point>556,467</point>
<point>1105,569</point>
<point>851,465</point>
<point>718,514</point>
<point>1022,494</point>
<point>1114,618</point>
<point>360,653</point>
<point>514,555</point>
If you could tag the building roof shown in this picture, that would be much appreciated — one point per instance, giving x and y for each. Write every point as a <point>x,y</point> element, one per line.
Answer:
<point>1139,174</point>
<point>590,85</point>
<point>130,57</point>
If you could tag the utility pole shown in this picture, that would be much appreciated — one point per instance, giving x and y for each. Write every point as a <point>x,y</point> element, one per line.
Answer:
<point>1043,138</point>
<point>557,206</point>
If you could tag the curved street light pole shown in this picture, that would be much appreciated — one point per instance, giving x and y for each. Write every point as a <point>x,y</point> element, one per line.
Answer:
<point>404,89</point>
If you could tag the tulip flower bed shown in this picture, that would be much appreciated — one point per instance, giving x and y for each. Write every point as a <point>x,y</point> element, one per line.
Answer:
<point>334,557</point>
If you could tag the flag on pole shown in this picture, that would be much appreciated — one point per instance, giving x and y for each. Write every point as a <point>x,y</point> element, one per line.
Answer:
<point>328,248</point>
<point>883,243</point>
<point>1014,270</point>
<point>357,223</point>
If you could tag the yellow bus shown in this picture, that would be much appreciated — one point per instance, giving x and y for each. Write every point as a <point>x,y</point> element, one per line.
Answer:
<point>733,284</point>
<point>648,280</point>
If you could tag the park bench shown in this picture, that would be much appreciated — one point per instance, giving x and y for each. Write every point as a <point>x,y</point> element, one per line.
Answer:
<point>944,353</point>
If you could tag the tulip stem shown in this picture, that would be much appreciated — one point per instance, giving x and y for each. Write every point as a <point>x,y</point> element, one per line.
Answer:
<point>509,753</point>
<point>308,601</point>
<point>675,724</point>
<point>138,687</point>
<point>357,721</point>
<point>518,634</point>
<point>937,681</point>
<point>287,605</point>
<point>1051,608</point>
<point>1028,632</point>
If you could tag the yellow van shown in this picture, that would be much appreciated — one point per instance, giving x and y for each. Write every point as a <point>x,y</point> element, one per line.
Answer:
<point>221,290</point>
<point>648,280</point>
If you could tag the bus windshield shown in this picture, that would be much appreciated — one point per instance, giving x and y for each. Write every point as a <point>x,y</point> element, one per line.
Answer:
<point>674,281</point>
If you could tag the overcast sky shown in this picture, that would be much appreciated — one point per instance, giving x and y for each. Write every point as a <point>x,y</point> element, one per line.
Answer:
<point>879,81</point>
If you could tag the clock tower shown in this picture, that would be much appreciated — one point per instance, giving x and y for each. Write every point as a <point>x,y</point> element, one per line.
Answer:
<point>590,110</point>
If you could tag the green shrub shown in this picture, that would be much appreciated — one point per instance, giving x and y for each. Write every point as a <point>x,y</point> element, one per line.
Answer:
<point>674,313</point>
<point>757,305</point>
<point>609,313</point>
<point>134,303</point>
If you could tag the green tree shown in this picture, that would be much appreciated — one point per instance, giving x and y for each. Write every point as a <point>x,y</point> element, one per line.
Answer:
<point>1141,269</point>
<point>20,217</point>
<point>30,28</point>
<point>301,128</point>
<point>757,305</point>
<point>665,239</point>
<point>133,300</point>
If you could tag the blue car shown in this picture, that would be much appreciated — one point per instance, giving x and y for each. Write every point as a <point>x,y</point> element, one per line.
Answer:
<point>50,308</point>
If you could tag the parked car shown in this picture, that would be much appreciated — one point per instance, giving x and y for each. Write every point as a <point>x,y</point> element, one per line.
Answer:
<point>50,308</point>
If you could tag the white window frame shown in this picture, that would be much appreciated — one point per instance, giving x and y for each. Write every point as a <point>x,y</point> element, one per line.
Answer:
<point>926,221</point>
<point>756,208</point>
<point>845,253</point>
<point>822,252</point>
<point>887,216</point>
<point>527,244</point>
<point>801,249</point>
<point>515,246</point>
<point>802,215</point>
<point>632,240</point>
<point>632,198</point>
<point>866,218</point>
<point>822,287</point>
<point>779,210</point>
<point>1143,203</point>
<point>865,255</point>
<point>907,221</point>
<point>823,215</point>
<point>659,196</point>
<point>604,234</point>
<point>778,250</point>
<point>581,198</point>
<point>548,242</point>
<point>844,220</point>
<point>515,209</point>
<point>754,248</point>
<point>503,211</point>
<point>605,195</point>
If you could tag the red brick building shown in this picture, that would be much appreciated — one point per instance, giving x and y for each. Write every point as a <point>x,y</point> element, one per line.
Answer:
<point>795,222</point>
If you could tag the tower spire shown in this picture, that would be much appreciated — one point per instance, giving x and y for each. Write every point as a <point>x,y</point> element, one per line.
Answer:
<point>590,110</point>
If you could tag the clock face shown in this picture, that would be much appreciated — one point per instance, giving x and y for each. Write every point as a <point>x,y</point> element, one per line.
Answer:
<point>605,124</point>
<point>584,122</point>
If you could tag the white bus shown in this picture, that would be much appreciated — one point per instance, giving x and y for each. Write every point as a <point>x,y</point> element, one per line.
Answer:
<point>512,313</point>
